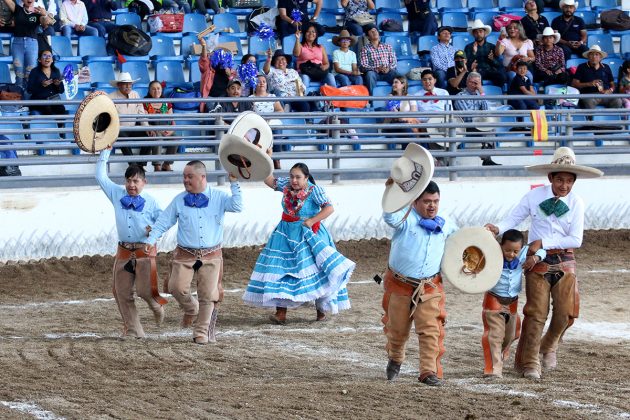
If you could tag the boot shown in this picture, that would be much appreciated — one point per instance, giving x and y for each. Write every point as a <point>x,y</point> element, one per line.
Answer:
<point>393,369</point>
<point>188,320</point>
<point>280,317</point>
<point>321,316</point>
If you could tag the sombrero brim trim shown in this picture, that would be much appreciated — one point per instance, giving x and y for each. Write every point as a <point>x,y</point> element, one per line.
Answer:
<point>451,266</point>
<point>94,104</point>
<point>114,83</point>
<point>581,171</point>
<point>261,164</point>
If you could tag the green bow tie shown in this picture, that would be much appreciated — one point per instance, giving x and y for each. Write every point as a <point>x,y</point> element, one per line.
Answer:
<point>554,206</point>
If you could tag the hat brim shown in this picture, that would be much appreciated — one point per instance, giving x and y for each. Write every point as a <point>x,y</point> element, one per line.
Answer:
<point>604,54</point>
<point>394,198</point>
<point>442,132</point>
<point>97,105</point>
<point>555,35</point>
<point>337,40</point>
<point>287,57</point>
<point>487,28</point>
<point>452,261</point>
<point>564,3</point>
<point>249,120</point>
<point>114,83</point>
<point>244,159</point>
<point>579,170</point>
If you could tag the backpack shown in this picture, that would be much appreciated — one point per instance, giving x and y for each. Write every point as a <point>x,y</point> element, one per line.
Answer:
<point>129,40</point>
<point>616,20</point>
<point>182,92</point>
<point>391,25</point>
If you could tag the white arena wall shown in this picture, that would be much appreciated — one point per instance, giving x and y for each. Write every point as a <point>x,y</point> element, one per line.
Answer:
<point>46,223</point>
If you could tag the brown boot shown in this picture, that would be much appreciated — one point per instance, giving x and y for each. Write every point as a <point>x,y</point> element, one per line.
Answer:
<point>167,167</point>
<point>157,167</point>
<point>280,317</point>
<point>321,316</point>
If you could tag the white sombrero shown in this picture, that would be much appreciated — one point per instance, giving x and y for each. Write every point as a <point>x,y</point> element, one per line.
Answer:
<point>472,260</point>
<point>441,131</point>
<point>123,77</point>
<point>549,32</point>
<point>411,174</point>
<point>96,123</point>
<point>245,157</point>
<point>478,24</point>
<point>567,3</point>
<point>564,161</point>
<point>486,120</point>
<point>595,49</point>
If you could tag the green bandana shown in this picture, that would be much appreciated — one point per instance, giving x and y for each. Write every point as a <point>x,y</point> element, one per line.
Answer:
<point>554,206</point>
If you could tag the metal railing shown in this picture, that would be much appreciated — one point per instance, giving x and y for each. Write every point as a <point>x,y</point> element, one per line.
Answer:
<point>331,139</point>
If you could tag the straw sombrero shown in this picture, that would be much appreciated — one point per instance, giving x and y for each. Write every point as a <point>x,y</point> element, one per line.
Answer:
<point>564,161</point>
<point>472,260</point>
<point>96,123</point>
<point>245,157</point>
<point>595,49</point>
<point>411,174</point>
<point>123,77</point>
<point>549,32</point>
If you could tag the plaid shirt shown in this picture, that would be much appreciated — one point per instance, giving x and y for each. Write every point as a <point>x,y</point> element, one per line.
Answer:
<point>483,63</point>
<point>373,57</point>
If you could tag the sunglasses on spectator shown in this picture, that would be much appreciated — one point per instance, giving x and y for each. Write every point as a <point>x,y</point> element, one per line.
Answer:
<point>46,56</point>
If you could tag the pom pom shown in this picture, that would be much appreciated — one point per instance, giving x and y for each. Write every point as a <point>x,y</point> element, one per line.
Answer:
<point>296,15</point>
<point>265,32</point>
<point>68,73</point>
<point>247,74</point>
<point>393,105</point>
<point>221,59</point>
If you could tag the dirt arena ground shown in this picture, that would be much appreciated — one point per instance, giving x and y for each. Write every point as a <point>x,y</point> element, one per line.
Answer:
<point>61,355</point>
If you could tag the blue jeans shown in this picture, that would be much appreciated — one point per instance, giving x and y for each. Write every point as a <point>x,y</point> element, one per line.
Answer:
<point>523,104</point>
<point>328,80</point>
<point>175,4</point>
<point>103,27</point>
<point>68,31</point>
<point>371,77</point>
<point>345,80</point>
<point>353,27</point>
<point>24,52</point>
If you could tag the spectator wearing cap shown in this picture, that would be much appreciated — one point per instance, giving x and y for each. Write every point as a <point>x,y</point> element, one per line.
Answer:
<point>549,67</point>
<point>481,55</point>
<point>285,23</point>
<point>595,77</point>
<point>533,22</point>
<point>235,90</point>
<point>345,60</point>
<point>572,30</point>
<point>442,55</point>
<point>456,75</point>
<point>284,81</point>
<point>421,18</point>
<point>377,60</point>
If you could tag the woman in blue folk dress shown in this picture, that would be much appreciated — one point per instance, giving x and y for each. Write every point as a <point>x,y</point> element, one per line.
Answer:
<point>300,262</point>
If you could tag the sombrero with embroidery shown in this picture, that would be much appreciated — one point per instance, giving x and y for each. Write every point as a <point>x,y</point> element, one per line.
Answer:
<point>564,161</point>
<point>411,174</point>
<point>96,123</point>
<point>243,149</point>
<point>472,260</point>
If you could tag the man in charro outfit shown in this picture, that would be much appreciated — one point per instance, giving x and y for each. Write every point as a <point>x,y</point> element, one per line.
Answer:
<point>199,213</point>
<point>134,266</point>
<point>557,226</point>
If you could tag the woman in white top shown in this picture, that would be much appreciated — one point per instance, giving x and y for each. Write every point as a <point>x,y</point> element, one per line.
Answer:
<point>261,92</point>
<point>284,81</point>
<point>514,46</point>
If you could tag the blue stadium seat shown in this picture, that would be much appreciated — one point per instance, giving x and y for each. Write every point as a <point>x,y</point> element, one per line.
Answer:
<point>172,72</point>
<point>288,42</point>
<point>625,46</point>
<point>381,91</point>
<point>195,73</point>
<point>101,73</point>
<point>63,48</point>
<point>486,17</point>
<point>604,41</point>
<point>42,138</point>
<point>493,38</point>
<point>401,45</point>
<point>186,44</point>
<point>326,41</point>
<point>574,62</point>
<point>405,65</point>
<point>5,58</point>
<point>450,6</point>
<point>194,23</point>
<point>229,38</point>
<point>138,70</point>
<point>257,46</point>
<point>481,5</point>
<point>5,73</point>
<point>128,19</point>
<point>18,135</point>
<point>510,4</point>
<point>61,64</point>
<point>589,17</point>
<point>599,5</point>
<point>462,39</point>
<point>425,43</point>
<point>92,48</point>
<point>389,6</point>
<point>614,64</point>
<point>163,48</point>
<point>331,6</point>
<point>551,15</point>
<point>227,23</point>
<point>458,21</point>
<point>388,15</point>
<point>327,19</point>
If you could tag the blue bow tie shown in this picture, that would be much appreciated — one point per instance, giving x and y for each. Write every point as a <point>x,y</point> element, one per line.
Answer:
<point>512,265</point>
<point>196,200</point>
<point>134,202</point>
<point>432,225</point>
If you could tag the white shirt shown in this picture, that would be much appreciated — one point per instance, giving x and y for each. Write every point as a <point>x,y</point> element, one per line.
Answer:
<point>556,232</point>
<point>73,14</point>
<point>430,104</point>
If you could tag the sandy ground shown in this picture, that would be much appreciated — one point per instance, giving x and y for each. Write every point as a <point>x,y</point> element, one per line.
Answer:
<point>61,355</point>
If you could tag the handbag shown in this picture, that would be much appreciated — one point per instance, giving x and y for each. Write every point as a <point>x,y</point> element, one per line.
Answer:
<point>314,71</point>
<point>363,18</point>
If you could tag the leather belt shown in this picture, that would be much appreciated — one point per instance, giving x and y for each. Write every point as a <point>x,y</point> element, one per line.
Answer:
<point>504,300</point>
<point>559,251</point>
<point>413,281</point>
<point>199,253</point>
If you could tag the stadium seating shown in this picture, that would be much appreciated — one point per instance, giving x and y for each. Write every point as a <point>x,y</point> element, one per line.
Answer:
<point>481,6</point>
<point>172,72</point>
<point>163,48</point>
<point>487,17</point>
<point>258,46</point>
<point>128,19</point>
<point>401,45</point>
<point>195,73</point>
<point>461,40</point>
<point>615,64</point>
<point>450,6</point>
<point>227,23</point>
<point>138,70</point>
<point>63,48</point>
<point>599,5</point>
<point>288,42</point>
<point>5,74</point>
<point>574,62</point>
<point>194,23</point>
<point>404,66</point>
<point>458,21</point>
<point>332,6</point>
<point>381,17</point>
<point>389,6</point>
<point>92,48</point>
<point>381,91</point>
<point>327,19</point>
<point>604,41</point>
<point>625,46</point>
<point>41,138</point>
<point>589,17</point>
<point>506,5</point>
<point>186,44</point>
<point>551,15</point>
<point>101,72</point>
<point>229,38</point>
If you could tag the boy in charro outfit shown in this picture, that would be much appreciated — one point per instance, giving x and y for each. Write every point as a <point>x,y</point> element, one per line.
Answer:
<point>557,226</point>
<point>199,213</point>
<point>134,266</point>
<point>501,322</point>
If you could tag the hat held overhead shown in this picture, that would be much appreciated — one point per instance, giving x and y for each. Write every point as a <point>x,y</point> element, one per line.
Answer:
<point>96,123</point>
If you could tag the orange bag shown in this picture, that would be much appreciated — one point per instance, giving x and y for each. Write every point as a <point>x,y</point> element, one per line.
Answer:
<point>352,90</point>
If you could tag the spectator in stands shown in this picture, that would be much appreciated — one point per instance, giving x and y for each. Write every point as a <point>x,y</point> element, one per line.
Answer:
<point>428,89</point>
<point>6,169</point>
<point>45,82</point>
<point>549,67</point>
<point>623,81</point>
<point>179,6</point>
<point>481,55</point>
<point>572,30</point>
<point>345,60</point>
<point>533,22</point>
<point>515,47</point>
<point>266,107</point>
<point>100,15</point>
<point>377,60</point>
<point>27,19</point>
<point>285,23</point>
<point>52,9</point>
<point>235,90</point>
<point>356,15</point>
<point>213,80</point>
<point>457,74</point>
<point>400,87</point>
<point>6,18</point>
<point>247,58</point>
<point>312,59</point>
<point>124,84</point>
<point>442,55</point>
<point>284,81</point>
<point>74,19</point>
<point>521,84</point>
<point>474,87</point>
<point>202,6</point>
<point>595,77</point>
<point>420,17</point>
<point>156,91</point>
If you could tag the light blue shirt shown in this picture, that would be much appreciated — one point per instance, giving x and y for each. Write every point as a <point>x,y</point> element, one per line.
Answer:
<point>130,224</point>
<point>509,284</point>
<point>198,227</point>
<point>414,251</point>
